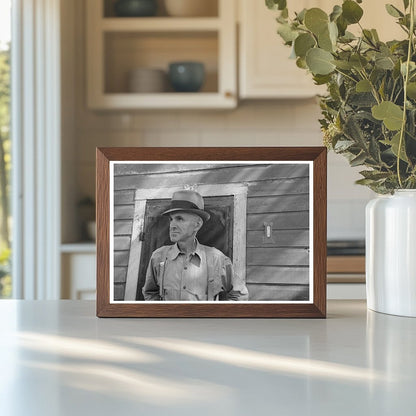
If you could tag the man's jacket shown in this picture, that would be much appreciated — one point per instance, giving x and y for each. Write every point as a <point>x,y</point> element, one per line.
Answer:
<point>223,283</point>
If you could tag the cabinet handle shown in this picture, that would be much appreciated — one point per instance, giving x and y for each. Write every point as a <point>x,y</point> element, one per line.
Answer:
<point>229,94</point>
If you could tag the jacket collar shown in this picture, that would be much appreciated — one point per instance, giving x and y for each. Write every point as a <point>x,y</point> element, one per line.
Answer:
<point>175,251</point>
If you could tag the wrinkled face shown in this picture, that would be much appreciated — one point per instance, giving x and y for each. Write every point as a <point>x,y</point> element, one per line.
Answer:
<point>183,226</point>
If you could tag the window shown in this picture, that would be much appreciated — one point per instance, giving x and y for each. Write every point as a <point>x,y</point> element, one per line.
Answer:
<point>5,147</point>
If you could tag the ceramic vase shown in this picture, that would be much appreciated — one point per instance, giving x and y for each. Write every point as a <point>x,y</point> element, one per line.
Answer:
<point>391,253</point>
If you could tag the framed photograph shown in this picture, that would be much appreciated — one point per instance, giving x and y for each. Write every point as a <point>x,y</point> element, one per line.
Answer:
<point>211,232</point>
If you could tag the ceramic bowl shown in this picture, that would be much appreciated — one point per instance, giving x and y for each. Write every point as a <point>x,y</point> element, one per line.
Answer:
<point>135,8</point>
<point>186,76</point>
<point>191,8</point>
<point>147,80</point>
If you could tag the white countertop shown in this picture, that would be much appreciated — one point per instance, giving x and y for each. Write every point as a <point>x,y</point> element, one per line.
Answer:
<point>57,358</point>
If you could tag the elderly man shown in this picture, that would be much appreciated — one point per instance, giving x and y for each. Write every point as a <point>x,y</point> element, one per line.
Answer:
<point>188,270</point>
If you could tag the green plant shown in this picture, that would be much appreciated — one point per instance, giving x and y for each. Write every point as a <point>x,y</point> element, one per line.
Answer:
<point>5,278</point>
<point>369,113</point>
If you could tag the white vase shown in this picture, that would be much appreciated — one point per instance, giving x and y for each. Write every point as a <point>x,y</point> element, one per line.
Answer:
<point>391,253</point>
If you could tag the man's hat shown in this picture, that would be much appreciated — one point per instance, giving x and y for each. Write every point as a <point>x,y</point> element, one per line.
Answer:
<point>188,201</point>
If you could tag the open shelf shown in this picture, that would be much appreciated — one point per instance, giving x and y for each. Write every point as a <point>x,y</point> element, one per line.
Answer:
<point>160,24</point>
<point>126,51</point>
<point>116,46</point>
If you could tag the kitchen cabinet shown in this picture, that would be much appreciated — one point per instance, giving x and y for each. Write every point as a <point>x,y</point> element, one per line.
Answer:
<point>78,263</point>
<point>118,45</point>
<point>265,69</point>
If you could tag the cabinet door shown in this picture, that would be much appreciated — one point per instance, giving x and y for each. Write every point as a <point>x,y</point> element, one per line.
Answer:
<point>78,276</point>
<point>265,68</point>
<point>266,71</point>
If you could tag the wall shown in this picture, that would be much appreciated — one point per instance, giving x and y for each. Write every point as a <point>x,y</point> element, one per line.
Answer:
<point>253,123</point>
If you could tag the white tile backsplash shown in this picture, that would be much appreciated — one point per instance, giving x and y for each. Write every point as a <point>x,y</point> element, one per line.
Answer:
<point>257,123</point>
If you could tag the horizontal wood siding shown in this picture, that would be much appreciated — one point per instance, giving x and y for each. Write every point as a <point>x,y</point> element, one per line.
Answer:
<point>277,268</point>
<point>124,212</point>
<point>278,292</point>
<point>280,238</point>
<point>122,242</point>
<point>280,220</point>
<point>277,275</point>
<point>120,274</point>
<point>287,203</point>
<point>271,256</point>
<point>123,227</point>
<point>216,176</point>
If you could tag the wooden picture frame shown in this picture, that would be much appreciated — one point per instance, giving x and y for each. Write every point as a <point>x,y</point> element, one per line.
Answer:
<point>283,266</point>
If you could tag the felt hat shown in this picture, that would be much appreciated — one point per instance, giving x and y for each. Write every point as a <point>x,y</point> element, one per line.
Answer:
<point>188,201</point>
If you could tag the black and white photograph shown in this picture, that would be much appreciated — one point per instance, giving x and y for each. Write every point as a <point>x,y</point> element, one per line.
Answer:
<point>183,231</point>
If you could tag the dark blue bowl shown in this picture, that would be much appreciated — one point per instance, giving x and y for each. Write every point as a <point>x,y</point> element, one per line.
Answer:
<point>135,8</point>
<point>186,76</point>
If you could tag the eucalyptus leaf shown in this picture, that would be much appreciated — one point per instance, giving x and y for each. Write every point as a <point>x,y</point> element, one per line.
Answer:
<point>405,21</point>
<point>375,35</point>
<point>281,19</point>
<point>384,62</point>
<point>394,143</point>
<point>358,160</point>
<point>316,20</point>
<point>411,90</point>
<point>276,4</point>
<point>325,42</point>
<point>369,36</point>
<point>347,37</point>
<point>333,32</point>
<point>301,63</point>
<point>343,145</point>
<point>342,25</point>
<point>336,12</point>
<point>374,150</point>
<point>374,174</point>
<point>303,43</point>
<point>403,68</point>
<point>363,86</point>
<point>320,61</point>
<point>345,65</point>
<point>351,11</point>
<point>354,132</point>
<point>287,33</point>
<point>365,182</point>
<point>393,11</point>
<point>301,15</point>
<point>388,112</point>
<point>321,79</point>
<point>382,89</point>
<point>358,61</point>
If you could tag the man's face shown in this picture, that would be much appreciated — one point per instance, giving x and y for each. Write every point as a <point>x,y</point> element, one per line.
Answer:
<point>183,226</point>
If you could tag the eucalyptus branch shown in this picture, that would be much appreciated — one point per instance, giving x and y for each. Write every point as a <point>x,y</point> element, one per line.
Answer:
<point>406,79</point>
<point>392,91</point>
<point>346,75</point>
<point>373,88</point>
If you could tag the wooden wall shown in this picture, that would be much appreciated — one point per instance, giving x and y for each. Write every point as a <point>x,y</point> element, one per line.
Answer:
<point>276,268</point>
